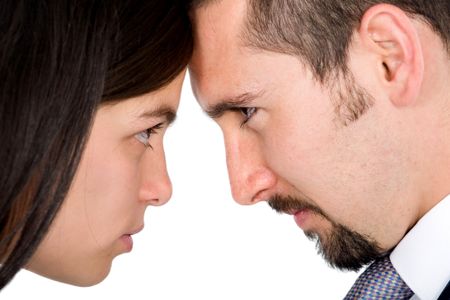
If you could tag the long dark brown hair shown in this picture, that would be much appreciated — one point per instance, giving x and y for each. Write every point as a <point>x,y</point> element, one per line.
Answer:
<point>59,60</point>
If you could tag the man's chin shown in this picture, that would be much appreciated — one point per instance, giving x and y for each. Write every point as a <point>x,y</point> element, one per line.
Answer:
<point>341,247</point>
<point>344,249</point>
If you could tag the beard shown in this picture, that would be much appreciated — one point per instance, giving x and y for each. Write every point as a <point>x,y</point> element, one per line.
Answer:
<point>341,247</point>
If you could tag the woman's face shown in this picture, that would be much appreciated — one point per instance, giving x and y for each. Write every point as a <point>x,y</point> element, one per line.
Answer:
<point>122,171</point>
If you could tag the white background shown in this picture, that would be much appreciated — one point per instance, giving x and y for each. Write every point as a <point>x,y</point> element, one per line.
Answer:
<point>202,245</point>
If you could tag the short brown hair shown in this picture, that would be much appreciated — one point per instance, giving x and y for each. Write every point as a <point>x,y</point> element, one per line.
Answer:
<point>319,31</point>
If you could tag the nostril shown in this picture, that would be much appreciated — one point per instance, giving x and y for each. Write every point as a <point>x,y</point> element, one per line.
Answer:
<point>255,187</point>
<point>263,195</point>
<point>156,194</point>
<point>156,202</point>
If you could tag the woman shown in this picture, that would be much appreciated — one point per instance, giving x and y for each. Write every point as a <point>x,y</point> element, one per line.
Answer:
<point>87,89</point>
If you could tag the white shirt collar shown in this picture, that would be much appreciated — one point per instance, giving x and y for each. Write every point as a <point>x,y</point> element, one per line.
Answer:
<point>422,258</point>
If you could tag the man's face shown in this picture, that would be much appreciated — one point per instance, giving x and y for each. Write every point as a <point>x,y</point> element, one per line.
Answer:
<point>345,184</point>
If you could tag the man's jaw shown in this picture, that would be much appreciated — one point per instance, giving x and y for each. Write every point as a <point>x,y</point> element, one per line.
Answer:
<point>340,246</point>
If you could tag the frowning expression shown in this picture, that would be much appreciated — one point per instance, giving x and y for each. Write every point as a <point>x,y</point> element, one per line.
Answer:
<point>121,173</point>
<point>285,143</point>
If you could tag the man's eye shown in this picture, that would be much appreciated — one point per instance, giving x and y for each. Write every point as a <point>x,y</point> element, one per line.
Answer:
<point>248,113</point>
<point>145,135</point>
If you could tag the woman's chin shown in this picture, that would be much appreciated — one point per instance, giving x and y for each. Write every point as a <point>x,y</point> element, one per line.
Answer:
<point>82,277</point>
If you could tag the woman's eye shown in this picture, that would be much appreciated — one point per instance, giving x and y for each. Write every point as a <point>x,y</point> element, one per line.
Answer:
<point>145,135</point>
<point>248,113</point>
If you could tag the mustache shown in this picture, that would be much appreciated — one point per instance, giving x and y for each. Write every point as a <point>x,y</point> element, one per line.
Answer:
<point>342,248</point>
<point>288,204</point>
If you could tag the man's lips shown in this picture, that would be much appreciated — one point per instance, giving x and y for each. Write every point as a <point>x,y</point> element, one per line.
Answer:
<point>301,209</point>
<point>300,216</point>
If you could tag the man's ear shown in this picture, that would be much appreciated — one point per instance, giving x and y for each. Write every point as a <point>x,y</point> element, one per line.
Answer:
<point>390,33</point>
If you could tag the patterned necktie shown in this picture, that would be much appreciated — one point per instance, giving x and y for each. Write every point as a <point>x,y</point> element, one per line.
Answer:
<point>379,281</point>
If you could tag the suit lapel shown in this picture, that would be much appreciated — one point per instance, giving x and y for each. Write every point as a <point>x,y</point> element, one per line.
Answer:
<point>445,295</point>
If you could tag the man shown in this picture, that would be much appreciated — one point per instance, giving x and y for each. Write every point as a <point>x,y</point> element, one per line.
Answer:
<point>338,113</point>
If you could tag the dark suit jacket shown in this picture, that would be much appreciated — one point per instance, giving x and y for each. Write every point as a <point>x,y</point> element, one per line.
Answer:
<point>445,293</point>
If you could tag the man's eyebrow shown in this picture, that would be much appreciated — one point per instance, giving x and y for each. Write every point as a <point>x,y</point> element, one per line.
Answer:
<point>168,113</point>
<point>231,104</point>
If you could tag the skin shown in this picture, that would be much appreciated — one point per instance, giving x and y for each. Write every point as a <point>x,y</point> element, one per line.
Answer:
<point>117,179</point>
<point>377,175</point>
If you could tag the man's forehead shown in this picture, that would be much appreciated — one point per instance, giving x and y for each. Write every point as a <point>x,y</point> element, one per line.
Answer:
<point>226,78</point>
<point>218,27</point>
<point>217,31</point>
<point>195,4</point>
<point>229,9</point>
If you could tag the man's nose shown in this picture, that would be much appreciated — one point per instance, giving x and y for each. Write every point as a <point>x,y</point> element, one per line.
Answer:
<point>250,179</point>
<point>156,187</point>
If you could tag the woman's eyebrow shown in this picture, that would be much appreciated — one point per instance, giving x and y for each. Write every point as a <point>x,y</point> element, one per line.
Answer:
<point>168,113</point>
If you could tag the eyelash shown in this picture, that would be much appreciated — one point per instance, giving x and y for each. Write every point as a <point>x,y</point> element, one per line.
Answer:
<point>248,113</point>
<point>145,135</point>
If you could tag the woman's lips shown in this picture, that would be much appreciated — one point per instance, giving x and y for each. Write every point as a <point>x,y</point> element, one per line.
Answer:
<point>128,240</point>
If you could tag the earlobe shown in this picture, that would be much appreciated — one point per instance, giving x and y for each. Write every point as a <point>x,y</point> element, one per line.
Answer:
<point>388,32</point>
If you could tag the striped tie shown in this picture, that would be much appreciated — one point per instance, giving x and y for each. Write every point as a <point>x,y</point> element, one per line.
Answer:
<point>379,281</point>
